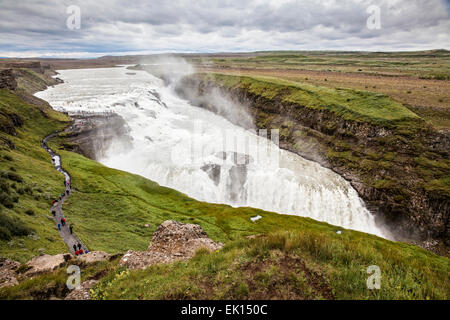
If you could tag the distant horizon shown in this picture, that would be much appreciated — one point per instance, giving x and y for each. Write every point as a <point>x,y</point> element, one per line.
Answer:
<point>109,54</point>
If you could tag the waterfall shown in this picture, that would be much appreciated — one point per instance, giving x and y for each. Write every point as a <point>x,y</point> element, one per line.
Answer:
<point>182,146</point>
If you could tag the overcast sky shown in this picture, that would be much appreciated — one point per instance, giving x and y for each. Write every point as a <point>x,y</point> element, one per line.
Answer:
<point>40,27</point>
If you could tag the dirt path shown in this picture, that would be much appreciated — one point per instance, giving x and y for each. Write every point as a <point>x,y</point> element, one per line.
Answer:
<point>69,238</point>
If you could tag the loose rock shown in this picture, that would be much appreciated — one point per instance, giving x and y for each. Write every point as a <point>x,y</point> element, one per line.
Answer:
<point>83,292</point>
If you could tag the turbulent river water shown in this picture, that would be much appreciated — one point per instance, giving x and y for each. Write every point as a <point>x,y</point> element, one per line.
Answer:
<point>182,146</point>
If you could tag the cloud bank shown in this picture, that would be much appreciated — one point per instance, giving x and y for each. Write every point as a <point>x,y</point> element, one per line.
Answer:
<point>39,28</point>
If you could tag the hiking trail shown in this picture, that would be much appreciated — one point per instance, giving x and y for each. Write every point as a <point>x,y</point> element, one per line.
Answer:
<point>69,238</point>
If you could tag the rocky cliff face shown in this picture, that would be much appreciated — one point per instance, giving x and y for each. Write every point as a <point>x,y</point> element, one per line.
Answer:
<point>34,65</point>
<point>393,169</point>
<point>93,134</point>
<point>7,79</point>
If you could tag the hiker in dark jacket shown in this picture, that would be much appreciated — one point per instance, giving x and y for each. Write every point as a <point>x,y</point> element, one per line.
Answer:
<point>74,248</point>
<point>67,192</point>
<point>53,213</point>
<point>79,246</point>
<point>70,229</point>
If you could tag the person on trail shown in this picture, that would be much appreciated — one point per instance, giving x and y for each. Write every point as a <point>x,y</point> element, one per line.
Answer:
<point>79,246</point>
<point>74,248</point>
<point>67,192</point>
<point>63,221</point>
<point>59,227</point>
<point>71,229</point>
<point>53,202</point>
<point>81,251</point>
<point>53,213</point>
<point>77,252</point>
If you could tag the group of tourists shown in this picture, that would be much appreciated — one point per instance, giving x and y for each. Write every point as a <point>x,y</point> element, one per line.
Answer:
<point>77,248</point>
<point>62,221</point>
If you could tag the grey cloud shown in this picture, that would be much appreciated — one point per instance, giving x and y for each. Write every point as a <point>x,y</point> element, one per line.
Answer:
<point>206,25</point>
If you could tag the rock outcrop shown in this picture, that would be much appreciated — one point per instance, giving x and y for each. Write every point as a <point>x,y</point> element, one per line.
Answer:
<point>8,272</point>
<point>172,241</point>
<point>46,263</point>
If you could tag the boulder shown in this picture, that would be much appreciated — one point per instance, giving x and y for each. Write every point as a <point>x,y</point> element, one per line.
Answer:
<point>172,241</point>
<point>46,263</point>
<point>94,256</point>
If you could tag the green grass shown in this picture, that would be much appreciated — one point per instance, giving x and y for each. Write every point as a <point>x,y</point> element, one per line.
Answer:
<point>38,182</point>
<point>432,64</point>
<point>300,258</point>
<point>347,103</point>
<point>307,264</point>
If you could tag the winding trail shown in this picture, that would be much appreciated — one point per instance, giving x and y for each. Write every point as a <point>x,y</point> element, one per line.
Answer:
<point>69,238</point>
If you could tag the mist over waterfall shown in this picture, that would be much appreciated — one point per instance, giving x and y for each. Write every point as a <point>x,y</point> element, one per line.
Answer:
<point>188,148</point>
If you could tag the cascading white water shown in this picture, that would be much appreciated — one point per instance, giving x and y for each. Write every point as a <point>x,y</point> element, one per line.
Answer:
<point>165,129</point>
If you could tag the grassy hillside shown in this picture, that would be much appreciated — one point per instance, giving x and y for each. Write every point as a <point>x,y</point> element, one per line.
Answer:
<point>347,103</point>
<point>292,257</point>
<point>28,179</point>
<point>305,264</point>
